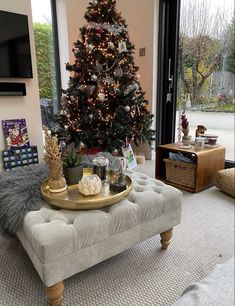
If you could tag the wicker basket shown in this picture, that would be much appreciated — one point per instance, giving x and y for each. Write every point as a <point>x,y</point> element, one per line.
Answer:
<point>180,173</point>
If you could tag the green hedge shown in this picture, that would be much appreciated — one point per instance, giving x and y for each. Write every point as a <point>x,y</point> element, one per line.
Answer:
<point>45,60</point>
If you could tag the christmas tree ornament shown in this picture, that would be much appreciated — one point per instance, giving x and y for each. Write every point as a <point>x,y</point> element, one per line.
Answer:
<point>94,77</point>
<point>137,76</point>
<point>127,108</point>
<point>122,47</point>
<point>89,101</point>
<point>118,72</point>
<point>110,45</point>
<point>90,116</point>
<point>99,29</point>
<point>117,90</point>
<point>75,52</point>
<point>98,68</point>
<point>101,96</point>
<point>115,152</point>
<point>116,29</point>
<point>90,47</point>
<point>133,87</point>
<point>108,79</point>
<point>95,2</point>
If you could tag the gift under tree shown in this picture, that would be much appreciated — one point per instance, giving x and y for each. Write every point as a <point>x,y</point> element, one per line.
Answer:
<point>104,105</point>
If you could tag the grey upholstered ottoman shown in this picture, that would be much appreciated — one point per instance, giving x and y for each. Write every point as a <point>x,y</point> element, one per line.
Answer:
<point>62,243</point>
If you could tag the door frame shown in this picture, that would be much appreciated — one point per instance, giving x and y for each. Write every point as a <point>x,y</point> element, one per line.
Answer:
<point>168,40</point>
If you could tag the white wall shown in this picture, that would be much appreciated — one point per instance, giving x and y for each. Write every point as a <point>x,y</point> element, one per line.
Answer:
<point>28,106</point>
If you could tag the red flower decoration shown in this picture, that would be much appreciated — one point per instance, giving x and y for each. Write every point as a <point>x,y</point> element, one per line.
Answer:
<point>184,120</point>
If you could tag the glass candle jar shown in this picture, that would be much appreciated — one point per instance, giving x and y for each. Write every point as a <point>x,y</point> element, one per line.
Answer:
<point>100,165</point>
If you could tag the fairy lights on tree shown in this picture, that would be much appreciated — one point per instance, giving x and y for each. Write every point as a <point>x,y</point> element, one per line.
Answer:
<point>104,105</point>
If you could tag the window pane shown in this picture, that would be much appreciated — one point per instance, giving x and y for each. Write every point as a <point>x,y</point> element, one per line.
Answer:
<point>44,45</point>
<point>207,69</point>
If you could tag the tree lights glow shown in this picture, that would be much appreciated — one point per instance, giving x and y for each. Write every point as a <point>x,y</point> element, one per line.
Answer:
<point>104,104</point>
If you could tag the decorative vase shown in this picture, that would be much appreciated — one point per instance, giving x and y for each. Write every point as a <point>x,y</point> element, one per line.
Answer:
<point>57,185</point>
<point>186,139</point>
<point>185,131</point>
<point>56,181</point>
<point>73,175</point>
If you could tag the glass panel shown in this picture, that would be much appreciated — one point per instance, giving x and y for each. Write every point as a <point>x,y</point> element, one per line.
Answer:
<point>44,45</point>
<point>207,69</point>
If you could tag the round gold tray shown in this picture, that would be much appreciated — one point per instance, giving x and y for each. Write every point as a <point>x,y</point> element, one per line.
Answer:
<point>71,198</point>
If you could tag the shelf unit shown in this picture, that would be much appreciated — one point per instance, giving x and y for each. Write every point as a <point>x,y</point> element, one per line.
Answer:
<point>208,162</point>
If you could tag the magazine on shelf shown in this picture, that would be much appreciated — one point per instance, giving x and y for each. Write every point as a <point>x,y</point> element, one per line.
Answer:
<point>15,134</point>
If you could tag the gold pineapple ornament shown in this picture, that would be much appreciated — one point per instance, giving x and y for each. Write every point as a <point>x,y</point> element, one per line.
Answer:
<point>52,156</point>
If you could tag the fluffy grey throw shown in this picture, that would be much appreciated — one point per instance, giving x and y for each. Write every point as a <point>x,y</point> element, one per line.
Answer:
<point>19,194</point>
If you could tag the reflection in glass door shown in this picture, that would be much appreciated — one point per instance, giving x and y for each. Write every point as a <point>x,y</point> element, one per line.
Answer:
<point>206,69</point>
<point>45,56</point>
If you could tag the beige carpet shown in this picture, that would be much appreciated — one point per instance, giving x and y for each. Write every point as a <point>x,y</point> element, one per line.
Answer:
<point>142,275</point>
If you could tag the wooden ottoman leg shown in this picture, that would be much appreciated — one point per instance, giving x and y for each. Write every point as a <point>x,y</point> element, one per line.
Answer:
<point>165,238</point>
<point>55,294</point>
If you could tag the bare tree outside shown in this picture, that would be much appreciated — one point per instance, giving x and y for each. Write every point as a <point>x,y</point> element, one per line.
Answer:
<point>206,70</point>
<point>202,50</point>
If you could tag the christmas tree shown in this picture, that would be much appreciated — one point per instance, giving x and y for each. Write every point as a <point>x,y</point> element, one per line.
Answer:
<point>104,105</point>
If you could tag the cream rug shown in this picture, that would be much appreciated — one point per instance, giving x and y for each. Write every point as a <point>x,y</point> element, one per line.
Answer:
<point>142,275</point>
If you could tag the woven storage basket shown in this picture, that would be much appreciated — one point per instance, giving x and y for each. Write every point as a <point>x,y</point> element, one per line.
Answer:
<point>180,173</point>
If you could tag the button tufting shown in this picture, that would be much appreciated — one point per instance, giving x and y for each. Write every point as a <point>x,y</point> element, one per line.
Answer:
<point>139,188</point>
<point>157,189</point>
<point>142,182</point>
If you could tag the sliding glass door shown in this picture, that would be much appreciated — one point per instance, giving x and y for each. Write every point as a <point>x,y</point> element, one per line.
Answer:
<point>196,69</point>
<point>206,69</point>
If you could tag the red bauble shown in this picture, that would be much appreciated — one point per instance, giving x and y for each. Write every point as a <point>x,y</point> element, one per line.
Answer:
<point>89,101</point>
<point>99,30</point>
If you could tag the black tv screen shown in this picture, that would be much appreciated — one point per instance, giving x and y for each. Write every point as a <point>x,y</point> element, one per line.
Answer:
<point>15,55</point>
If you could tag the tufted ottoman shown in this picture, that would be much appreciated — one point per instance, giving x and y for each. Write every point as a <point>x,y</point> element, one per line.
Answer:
<point>62,243</point>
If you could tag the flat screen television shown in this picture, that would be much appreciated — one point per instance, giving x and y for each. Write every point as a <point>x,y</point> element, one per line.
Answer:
<point>15,55</point>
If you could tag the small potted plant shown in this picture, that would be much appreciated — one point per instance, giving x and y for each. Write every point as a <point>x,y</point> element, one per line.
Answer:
<point>72,168</point>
